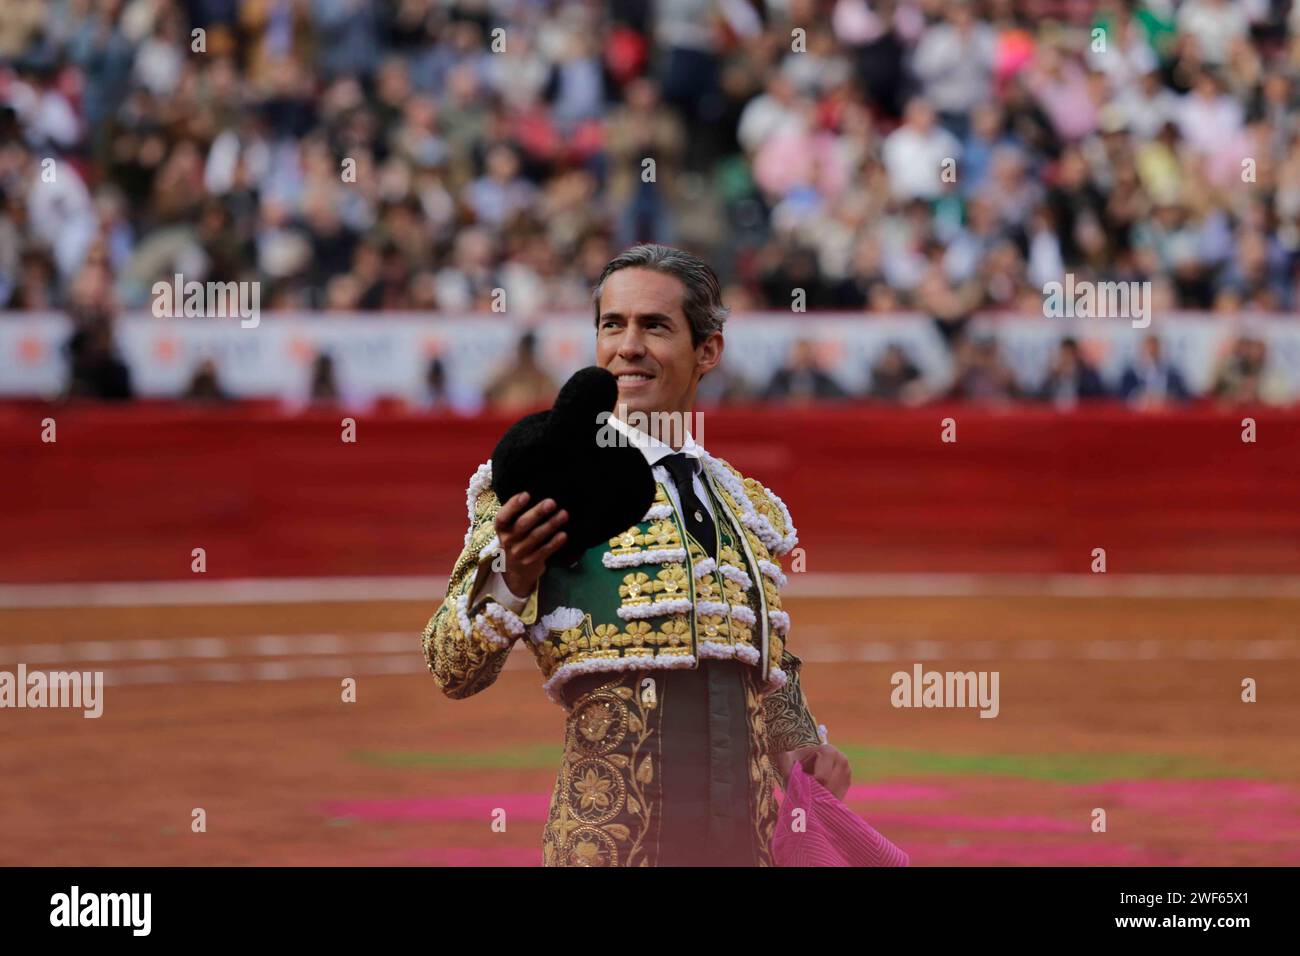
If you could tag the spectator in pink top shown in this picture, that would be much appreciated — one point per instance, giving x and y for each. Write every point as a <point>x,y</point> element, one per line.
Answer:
<point>1061,87</point>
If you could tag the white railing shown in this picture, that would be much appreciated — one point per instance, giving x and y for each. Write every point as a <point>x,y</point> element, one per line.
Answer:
<point>389,354</point>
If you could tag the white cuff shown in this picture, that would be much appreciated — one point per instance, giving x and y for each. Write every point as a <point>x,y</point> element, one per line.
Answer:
<point>499,591</point>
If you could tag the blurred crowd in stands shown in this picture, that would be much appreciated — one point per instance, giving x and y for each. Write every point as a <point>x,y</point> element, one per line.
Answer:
<point>979,376</point>
<point>356,155</point>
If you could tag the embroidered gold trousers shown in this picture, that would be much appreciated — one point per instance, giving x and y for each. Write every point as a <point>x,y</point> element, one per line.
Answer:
<point>663,768</point>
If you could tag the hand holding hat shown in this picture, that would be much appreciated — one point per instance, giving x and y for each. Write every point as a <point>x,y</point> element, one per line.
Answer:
<point>556,455</point>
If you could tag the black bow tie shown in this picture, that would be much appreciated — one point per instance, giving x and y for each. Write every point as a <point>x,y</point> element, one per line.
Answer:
<point>698,522</point>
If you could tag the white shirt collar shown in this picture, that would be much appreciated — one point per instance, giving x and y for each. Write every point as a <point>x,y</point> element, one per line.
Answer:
<point>654,449</point>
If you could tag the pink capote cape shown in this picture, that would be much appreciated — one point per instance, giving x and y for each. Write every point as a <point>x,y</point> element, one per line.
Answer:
<point>833,835</point>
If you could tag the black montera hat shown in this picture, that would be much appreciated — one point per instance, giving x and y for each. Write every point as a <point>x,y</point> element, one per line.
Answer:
<point>556,454</point>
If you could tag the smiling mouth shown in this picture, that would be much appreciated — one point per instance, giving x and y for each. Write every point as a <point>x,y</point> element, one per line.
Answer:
<point>634,378</point>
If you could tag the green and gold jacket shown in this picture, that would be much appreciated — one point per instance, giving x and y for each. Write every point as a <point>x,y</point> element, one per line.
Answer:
<point>648,598</point>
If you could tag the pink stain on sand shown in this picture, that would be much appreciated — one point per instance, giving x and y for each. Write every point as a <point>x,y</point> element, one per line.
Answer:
<point>1167,793</point>
<point>884,792</point>
<point>1023,823</point>
<point>1237,811</point>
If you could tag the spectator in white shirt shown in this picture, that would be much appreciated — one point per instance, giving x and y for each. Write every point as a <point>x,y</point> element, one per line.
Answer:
<point>954,61</point>
<point>1148,105</point>
<point>1207,117</point>
<point>1214,24</point>
<point>914,154</point>
<point>768,113</point>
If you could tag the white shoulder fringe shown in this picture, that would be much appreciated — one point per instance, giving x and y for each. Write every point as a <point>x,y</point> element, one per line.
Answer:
<point>561,619</point>
<point>636,558</point>
<point>480,482</point>
<point>775,680</point>
<point>636,612</point>
<point>750,518</point>
<point>772,572</point>
<point>717,650</point>
<point>658,513</point>
<point>609,664</point>
<point>491,622</point>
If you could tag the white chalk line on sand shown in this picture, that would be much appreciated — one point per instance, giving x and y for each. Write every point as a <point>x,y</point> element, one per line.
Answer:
<point>810,585</point>
<point>225,659</point>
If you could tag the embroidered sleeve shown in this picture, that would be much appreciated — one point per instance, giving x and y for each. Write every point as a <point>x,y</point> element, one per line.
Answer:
<point>465,646</point>
<point>790,724</point>
<point>765,514</point>
<point>781,535</point>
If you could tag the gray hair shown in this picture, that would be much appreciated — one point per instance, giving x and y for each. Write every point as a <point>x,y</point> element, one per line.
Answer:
<point>703,300</point>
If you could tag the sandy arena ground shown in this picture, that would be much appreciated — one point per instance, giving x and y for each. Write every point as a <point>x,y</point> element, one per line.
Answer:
<point>1128,704</point>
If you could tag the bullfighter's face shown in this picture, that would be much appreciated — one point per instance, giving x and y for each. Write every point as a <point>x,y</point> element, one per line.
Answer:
<point>644,338</point>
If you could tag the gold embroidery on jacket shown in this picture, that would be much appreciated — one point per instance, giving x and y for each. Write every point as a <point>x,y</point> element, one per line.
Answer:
<point>636,589</point>
<point>706,587</point>
<point>463,664</point>
<point>645,630</point>
<point>629,542</point>
<point>606,794</point>
<point>790,724</point>
<point>662,534</point>
<point>764,810</point>
<point>670,583</point>
<point>713,627</point>
<point>608,641</point>
<point>658,535</point>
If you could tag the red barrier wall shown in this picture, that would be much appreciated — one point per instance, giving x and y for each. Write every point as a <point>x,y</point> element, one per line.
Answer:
<point>126,492</point>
